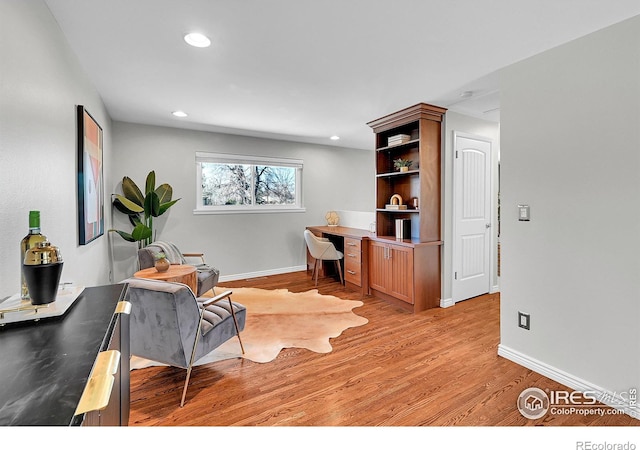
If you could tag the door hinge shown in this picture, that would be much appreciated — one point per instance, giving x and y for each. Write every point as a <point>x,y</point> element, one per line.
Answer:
<point>456,154</point>
<point>455,275</point>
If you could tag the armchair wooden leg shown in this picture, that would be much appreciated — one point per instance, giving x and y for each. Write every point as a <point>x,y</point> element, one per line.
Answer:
<point>317,269</point>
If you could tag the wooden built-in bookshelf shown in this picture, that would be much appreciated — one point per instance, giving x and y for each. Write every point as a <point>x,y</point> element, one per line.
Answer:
<point>407,271</point>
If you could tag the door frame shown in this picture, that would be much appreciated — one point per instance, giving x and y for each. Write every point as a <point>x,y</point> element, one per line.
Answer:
<point>492,208</point>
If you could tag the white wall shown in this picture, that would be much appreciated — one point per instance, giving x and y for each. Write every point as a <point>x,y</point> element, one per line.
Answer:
<point>41,83</point>
<point>240,245</point>
<point>456,122</point>
<point>570,148</point>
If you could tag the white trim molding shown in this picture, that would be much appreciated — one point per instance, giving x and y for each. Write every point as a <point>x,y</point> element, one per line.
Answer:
<point>605,396</point>
<point>446,302</point>
<point>262,273</point>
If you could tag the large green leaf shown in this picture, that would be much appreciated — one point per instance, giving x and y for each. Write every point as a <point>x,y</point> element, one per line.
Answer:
<point>140,232</point>
<point>165,206</point>
<point>126,206</point>
<point>151,183</point>
<point>165,192</point>
<point>125,236</point>
<point>134,219</point>
<point>151,205</point>
<point>131,191</point>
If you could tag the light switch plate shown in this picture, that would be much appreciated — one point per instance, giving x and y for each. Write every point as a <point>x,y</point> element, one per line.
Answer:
<point>523,213</point>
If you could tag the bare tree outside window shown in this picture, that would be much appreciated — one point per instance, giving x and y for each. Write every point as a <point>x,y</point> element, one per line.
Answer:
<point>226,184</point>
<point>275,185</point>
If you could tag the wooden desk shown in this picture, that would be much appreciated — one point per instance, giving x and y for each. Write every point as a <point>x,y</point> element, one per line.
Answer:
<point>180,273</point>
<point>356,254</point>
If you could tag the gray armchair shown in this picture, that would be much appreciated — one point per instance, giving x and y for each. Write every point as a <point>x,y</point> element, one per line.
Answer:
<point>207,275</point>
<point>169,325</point>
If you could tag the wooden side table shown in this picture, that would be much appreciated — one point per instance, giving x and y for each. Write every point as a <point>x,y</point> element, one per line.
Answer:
<point>181,273</point>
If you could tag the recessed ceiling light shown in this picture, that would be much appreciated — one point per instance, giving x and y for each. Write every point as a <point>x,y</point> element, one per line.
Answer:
<point>334,138</point>
<point>179,113</point>
<point>197,40</point>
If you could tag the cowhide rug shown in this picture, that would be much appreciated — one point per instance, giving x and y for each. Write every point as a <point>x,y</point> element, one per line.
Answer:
<point>278,319</point>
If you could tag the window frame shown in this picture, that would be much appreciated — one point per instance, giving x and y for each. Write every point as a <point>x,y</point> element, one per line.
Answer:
<point>227,158</point>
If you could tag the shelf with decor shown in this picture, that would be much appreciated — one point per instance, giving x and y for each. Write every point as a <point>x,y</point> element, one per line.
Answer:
<point>398,174</point>
<point>405,263</point>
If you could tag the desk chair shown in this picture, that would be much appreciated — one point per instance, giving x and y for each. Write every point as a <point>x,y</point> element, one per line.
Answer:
<point>321,249</point>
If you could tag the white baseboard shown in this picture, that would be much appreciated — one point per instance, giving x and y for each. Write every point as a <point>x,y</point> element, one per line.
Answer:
<point>569,380</point>
<point>446,302</point>
<point>263,273</point>
<point>494,289</point>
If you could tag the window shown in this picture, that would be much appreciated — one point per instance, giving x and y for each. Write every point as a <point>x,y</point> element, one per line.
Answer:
<point>236,183</point>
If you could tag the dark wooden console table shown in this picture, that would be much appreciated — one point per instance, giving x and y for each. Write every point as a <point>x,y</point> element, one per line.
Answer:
<point>47,364</point>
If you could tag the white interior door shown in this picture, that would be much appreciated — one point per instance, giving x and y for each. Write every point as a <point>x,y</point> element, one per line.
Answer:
<point>472,217</point>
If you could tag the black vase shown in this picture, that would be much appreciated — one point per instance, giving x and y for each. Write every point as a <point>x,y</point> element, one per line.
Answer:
<point>42,281</point>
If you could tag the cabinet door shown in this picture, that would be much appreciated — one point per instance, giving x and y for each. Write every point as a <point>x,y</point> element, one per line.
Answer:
<point>116,413</point>
<point>378,269</point>
<point>401,269</point>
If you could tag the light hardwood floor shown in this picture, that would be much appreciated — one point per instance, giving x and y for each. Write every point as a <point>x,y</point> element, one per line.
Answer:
<point>439,367</point>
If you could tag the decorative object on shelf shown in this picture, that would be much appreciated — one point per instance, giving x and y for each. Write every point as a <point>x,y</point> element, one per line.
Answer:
<point>403,229</point>
<point>162,263</point>
<point>398,139</point>
<point>402,164</point>
<point>332,218</point>
<point>42,269</point>
<point>90,180</point>
<point>416,203</point>
<point>141,209</point>
<point>395,202</point>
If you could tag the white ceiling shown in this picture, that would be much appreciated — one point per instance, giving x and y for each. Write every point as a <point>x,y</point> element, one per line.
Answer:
<point>304,70</point>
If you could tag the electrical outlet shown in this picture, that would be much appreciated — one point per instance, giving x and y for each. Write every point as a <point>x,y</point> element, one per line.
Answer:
<point>524,320</point>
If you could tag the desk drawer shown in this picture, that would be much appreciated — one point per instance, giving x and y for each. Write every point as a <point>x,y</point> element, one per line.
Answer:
<point>351,255</point>
<point>352,245</point>
<point>353,271</point>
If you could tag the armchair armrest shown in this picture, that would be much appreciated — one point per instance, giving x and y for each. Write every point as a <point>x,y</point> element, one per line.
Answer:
<point>216,299</point>
<point>195,255</point>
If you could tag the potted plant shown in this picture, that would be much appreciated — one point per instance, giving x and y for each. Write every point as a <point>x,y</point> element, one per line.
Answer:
<point>162,263</point>
<point>402,164</point>
<point>141,209</point>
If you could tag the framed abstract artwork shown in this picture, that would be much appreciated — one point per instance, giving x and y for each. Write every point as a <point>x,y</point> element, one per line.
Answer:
<point>90,180</point>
